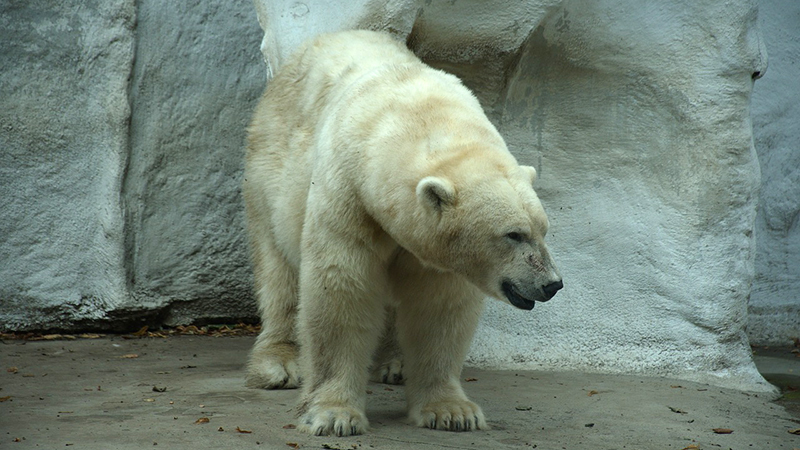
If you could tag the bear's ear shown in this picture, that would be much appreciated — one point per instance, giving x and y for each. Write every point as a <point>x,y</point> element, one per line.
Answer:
<point>436,193</point>
<point>531,172</point>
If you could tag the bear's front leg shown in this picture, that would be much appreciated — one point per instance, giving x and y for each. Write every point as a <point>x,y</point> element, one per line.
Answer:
<point>340,319</point>
<point>435,328</point>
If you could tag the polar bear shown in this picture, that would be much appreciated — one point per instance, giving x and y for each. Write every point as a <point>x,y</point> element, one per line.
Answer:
<point>376,187</point>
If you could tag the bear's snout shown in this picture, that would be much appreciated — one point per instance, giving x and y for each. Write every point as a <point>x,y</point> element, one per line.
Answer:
<point>551,289</point>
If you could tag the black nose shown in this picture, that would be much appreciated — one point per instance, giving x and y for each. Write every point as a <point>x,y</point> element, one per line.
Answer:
<point>551,289</point>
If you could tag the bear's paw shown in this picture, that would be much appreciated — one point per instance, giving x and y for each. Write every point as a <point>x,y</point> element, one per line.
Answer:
<point>273,373</point>
<point>323,420</point>
<point>451,415</point>
<point>389,372</point>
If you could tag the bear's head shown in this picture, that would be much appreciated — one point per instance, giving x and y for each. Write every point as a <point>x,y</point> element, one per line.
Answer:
<point>490,228</point>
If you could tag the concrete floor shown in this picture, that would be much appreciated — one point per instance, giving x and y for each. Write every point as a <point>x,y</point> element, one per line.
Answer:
<point>187,392</point>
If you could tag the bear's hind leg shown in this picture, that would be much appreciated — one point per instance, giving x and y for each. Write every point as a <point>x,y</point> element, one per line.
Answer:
<point>273,360</point>
<point>436,320</point>
<point>387,365</point>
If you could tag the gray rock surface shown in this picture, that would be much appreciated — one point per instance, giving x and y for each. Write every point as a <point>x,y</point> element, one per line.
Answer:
<point>63,147</point>
<point>775,300</point>
<point>121,144</point>
<point>194,85</point>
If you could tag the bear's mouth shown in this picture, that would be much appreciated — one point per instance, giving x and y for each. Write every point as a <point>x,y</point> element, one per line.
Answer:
<point>516,299</point>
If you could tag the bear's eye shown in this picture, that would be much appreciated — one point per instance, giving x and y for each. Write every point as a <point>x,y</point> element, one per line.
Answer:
<point>515,236</point>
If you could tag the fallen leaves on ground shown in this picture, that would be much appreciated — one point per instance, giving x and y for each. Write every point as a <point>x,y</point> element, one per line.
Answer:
<point>470,379</point>
<point>12,370</point>
<point>130,356</point>
<point>243,431</point>
<point>240,329</point>
<point>90,336</point>
<point>795,431</point>
<point>691,447</point>
<point>290,426</point>
<point>591,393</point>
<point>722,430</point>
<point>6,398</point>
<point>677,410</point>
<point>202,420</point>
<point>293,444</point>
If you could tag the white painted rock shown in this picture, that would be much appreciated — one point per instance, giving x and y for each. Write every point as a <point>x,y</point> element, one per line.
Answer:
<point>636,116</point>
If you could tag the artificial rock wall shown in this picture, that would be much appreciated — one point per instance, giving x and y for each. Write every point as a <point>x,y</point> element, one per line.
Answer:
<point>121,143</point>
<point>775,299</point>
<point>636,115</point>
<point>121,149</point>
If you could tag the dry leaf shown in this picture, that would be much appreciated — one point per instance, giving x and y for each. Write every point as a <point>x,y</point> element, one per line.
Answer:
<point>12,370</point>
<point>6,398</point>
<point>470,379</point>
<point>722,430</point>
<point>142,331</point>
<point>676,410</point>
<point>677,387</point>
<point>130,356</point>
<point>243,431</point>
<point>591,393</point>
<point>291,426</point>
<point>50,337</point>
<point>691,447</point>
<point>293,444</point>
<point>149,400</point>
<point>795,431</point>
<point>89,336</point>
<point>202,420</point>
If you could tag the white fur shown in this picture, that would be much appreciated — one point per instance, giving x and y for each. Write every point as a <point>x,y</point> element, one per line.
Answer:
<point>374,183</point>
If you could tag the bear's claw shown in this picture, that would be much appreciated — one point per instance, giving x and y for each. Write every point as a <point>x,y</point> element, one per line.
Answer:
<point>461,415</point>
<point>339,421</point>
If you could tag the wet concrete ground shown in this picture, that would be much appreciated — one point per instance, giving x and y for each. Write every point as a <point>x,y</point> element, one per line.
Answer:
<point>187,392</point>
